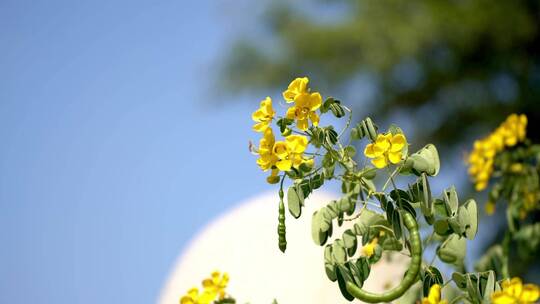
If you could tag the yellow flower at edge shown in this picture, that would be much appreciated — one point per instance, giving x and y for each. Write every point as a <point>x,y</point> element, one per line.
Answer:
<point>386,149</point>
<point>216,284</point>
<point>434,296</point>
<point>369,249</point>
<point>263,116</point>
<point>481,158</point>
<point>489,208</point>
<point>514,292</point>
<point>267,159</point>
<point>296,87</point>
<point>304,108</point>
<point>194,297</point>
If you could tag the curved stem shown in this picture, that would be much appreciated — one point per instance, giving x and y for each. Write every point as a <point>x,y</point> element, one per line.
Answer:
<point>410,277</point>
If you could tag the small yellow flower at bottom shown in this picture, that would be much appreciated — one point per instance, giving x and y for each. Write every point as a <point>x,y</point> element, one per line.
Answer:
<point>194,297</point>
<point>434,296</point>
<point>514,292</point>
<point>216,284</point>
<point>369,249</point>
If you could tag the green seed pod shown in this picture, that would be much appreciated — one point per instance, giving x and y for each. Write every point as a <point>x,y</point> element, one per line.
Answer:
<point>282,240</point>
<point>410,277</point>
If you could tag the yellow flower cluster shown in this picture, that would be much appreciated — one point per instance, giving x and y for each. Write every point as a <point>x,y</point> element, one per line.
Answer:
<point>213,288</point>
<point>508,134</point>
<point>386,149</point>
<point>515,292</point>
<point>281,155</point>
<point>284,155</point>
<point>434,296</point>
<point>305,103</point>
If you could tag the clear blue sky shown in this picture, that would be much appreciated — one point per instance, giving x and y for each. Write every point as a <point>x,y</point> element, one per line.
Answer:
<point>111,154</point>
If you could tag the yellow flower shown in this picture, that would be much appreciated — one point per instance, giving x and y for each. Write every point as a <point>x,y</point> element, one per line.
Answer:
<point>267,158</point>
<point>386,149</point>
<point>194,297</point>
<point>490,207</point>
<point>296,87</point>
<point>514,292</point>
<point>434,296</point>
<point>263,116</point>
<point>304,108</point>
<point>508,134</point>
<point>513,129</point>
<point>216,284</point>
<point>290,152</point>
<point>369,249</point>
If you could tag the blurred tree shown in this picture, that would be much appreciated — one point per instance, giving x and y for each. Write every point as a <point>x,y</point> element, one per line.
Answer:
<point>456,68</point>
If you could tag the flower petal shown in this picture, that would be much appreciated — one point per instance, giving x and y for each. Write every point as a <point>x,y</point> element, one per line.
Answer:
<point>398,142</point>
<point>284,165</point>
<point>302,124</point>
<point>530,293</point>
<point>315,101</point>
<point>314,118</point>
<point>379,162</point>
<point>499,297</point>
<point>368,151</point>
<point>394,157</point>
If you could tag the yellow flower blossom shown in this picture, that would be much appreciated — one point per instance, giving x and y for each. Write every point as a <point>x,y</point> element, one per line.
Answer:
<point>434,296</point>
<point>386,149</point>
<point>281,155</point>
<point>194,297</point>
<point>290,152</point>
<point>216,284</point>
<point>267,159</point>
<point>296,87</point>
<point>489,208</point>
<point>514,292</point>
<point>513,129</point>
<point>369,249</point>
<point>480,160</point>
<point>304,108</point>
<point>263,116</point>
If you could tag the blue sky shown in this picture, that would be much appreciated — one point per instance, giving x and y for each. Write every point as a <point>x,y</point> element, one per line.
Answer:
<point>112,153</point>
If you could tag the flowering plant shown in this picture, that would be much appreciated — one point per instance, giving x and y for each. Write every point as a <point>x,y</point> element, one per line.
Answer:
<point>386,216</point>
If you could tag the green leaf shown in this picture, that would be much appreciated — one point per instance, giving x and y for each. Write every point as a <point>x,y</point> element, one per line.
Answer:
<point>293,202</point>
<point>337,109</point>
<point>331,136</point>
<point>432,276</point>
<point>350,151</point>
<point>450,198</point>
<point>426,160</point>
<point>396,224</point>
<point>472,226</point>
<point>329,265</point>
<point>343,275</point>
<point>326,104</point>
<point>442,228</point>
<point>460,280</point>
<point>339,253</point>
<point>489,288</point>
<point>453,249</point>
<point>318,236</point>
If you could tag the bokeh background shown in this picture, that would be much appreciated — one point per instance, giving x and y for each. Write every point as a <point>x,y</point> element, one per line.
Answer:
<point>124,125</point>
